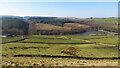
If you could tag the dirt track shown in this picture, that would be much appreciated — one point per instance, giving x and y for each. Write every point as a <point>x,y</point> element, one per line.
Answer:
<point>27,61</point>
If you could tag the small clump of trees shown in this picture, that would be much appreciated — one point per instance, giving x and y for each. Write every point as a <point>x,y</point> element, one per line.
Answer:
<point>71,51</point>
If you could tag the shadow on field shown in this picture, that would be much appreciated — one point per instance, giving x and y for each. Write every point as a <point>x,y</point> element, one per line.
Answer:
<point>57,56</point>
<point>27,47</point>
<point>95,38</point>
<point>14,41</point>
<point>54,43</point>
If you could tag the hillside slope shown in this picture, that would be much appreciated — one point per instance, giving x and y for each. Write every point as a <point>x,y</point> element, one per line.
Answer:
<point>14,26</point>
<point>77,26</point>
<point>106,24</point>
<point>68,28</point>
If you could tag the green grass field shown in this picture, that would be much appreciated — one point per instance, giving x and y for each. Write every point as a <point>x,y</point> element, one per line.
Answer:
<point>53,41</point>
<point>84,50</point>
<point>9,39</point>
<point>113,41</point>
<point>44,36</point>
<point>90,48</point>
<point>112,22</point>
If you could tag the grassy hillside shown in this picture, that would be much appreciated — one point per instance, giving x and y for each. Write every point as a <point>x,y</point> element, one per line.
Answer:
<point>57,30</point>
<point>10,39</point>
<point>51,27</point>
<point>107,24</point>
<point>113,22</point>
<point>77,26</point>
<point>56,26</point>
<point>36,47</point>
<point>57,22</point>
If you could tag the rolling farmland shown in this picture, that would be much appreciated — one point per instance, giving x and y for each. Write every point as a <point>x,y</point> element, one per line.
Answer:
<point>82,49</point>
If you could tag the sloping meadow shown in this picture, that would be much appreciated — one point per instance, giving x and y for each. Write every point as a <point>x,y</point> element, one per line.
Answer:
<point>71,45</point>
